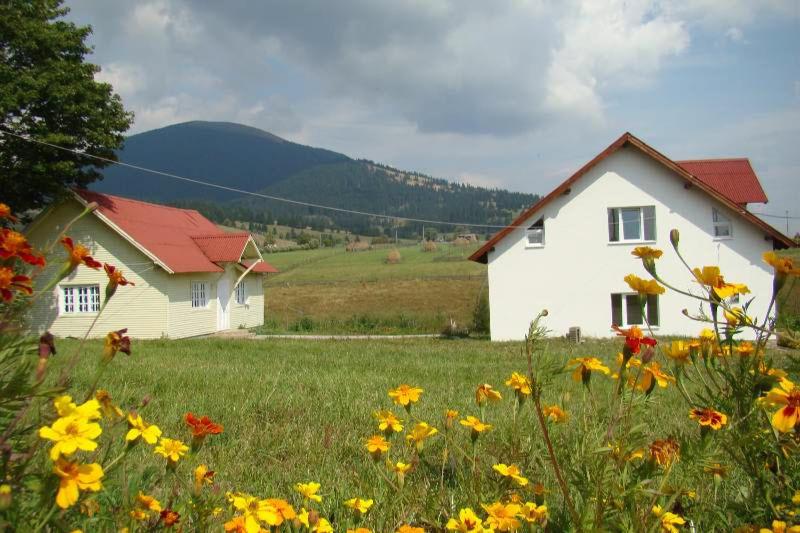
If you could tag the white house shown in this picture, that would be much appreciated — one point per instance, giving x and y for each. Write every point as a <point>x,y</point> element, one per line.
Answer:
<point>569,252</point>
<point>190,278</point>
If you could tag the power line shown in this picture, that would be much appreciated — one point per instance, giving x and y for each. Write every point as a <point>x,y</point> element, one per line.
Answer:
<point>775,216</point>
<point>256,194</point>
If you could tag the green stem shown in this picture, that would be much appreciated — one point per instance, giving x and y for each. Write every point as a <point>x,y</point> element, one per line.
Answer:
<point>47,518</point>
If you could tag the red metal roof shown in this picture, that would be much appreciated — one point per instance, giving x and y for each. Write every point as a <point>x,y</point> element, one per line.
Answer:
<point>177,239</point>
<point>734,178</point>
<point>262,267</point>
<point>779,240</point>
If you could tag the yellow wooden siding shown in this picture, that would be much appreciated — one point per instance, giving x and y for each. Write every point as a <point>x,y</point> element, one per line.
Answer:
<point>141,308</point>
<point>184,320</point>
<point>250,314</point>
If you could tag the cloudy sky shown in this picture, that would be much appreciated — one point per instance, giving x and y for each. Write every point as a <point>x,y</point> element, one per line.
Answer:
<point>513,94</point>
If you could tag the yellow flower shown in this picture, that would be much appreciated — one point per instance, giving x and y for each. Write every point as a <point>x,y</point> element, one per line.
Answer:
<point>503,517</point>
<point>376,445</point>
<point>520,383</point>
<point>254,511</point>
<point>74,478</point>
<point>511,471</point>
<point>788,396</point>
<point>679,351</point>
<point>421,432</point>
<point>645,252</point>
<point>202,475</point>
<point>533,513</point>
<point>652,374</point>
<point>399,468</point>
<point>779,526</point>
<point>643,286</point>
<point>405,528</point>
<point>149,433</point>
<point>617,452</point>
<point>109,409</point>
<point>796,497</point>
<point>388,422</point>
<point>475,425</point>
<point>710,276</point>
<point>708,417</point>
<point>309,490</point>
<point>359,530</point>
<point>554,413</point>
<point>745,348</point>
<point>281,511</point>
<point>782,265</point>
<point>468,522</point>
<point>145,505</point>
<point>88,410</point>
<point>71,433</point>
<point>736,316</point>
<point>665,451</point>
<point>405,395</point>
<point>359,505</point>
<point>585,365</point>
<point>485,393</point>
<point>449,417</point>
<point>171,449</point>
<point>668,520</point>
<point>323,526</point>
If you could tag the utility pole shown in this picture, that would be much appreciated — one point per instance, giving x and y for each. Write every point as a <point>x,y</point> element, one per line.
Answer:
<point>787,222</point>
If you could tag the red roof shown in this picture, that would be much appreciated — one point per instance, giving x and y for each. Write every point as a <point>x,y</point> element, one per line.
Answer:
<point>779,240</point>
<point>261,268</point>
<point>734,178</point>
<point>179,240</point>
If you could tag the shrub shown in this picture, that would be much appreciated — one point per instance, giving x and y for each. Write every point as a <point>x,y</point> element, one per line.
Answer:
<point>393,257</point>
<point>380,239</point>
<point>480,315</point>
<point>428,246</point>
<point>453,329</point>
<point>357,246</point>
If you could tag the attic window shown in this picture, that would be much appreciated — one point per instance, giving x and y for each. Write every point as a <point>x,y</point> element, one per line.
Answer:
<point>722,225</point>
<point>535,234</point>
<point>632,224</point>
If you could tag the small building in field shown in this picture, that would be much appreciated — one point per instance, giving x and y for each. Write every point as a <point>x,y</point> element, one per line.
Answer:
<point>190,278</point>
<point>569,252</point>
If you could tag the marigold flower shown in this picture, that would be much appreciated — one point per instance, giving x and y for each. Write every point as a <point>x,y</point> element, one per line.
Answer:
<point>144,506</point>
<point>282,511</point>
<point>475,425</point>
<point>618,453</point>
<point>405,528</point>
<point>75,477</point>
<point>716,470</point>
<point>309,490</point>
<point>170,517</point>
<point>665,451</point>
<point>449,418</point>
<point>405,395</point>
<point>89,410</point>
<point>533,513</point>
<point>652,375</point>
<point>5,212</point>
<point>201,427</point>
<point>485,393</point>
<point>9,281</point>
<point>323,526</point>
<point>15,244</point>
<point>710,276</point>
<point>584,367</point>
<point>467,522</point>
<point>202,476</point>
<point>254,511</point>
<point>115,279</point>
<point>745,348</point>
<point>786,394</point>
<point>359,530</point>
<point>5,496</point>
<point>116,341</point>
<point>779,526</point>
<point>554,413</point>
<point>109,409</point>
<point>376,445</point>
<point>421,431</point>
<point>668,520</point>
<point>238,524</point>
<point>79,255</point>
<point>521,385</point>
<point>679,351</point>
<point>512,472</point>
<point>503,517</point>
<point>358,505</point>
<point>70,434</point>
<point>634,338</point>
<point>736,317</point>
<point>643,286</point>
<point>171,449</point>
<point>708,417</point>
<point>138,428</point>
<point>388,421</point>
<point>645,252</point>
<point>400,469</point>
<point>782,265</point>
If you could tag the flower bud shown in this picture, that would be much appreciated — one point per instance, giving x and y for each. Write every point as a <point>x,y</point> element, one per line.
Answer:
<point>648,355</point>
<point>313,518</point>
<point>5,496</point>
<point>675,237</point>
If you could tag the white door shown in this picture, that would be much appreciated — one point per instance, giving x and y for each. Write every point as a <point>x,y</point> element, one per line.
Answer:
<point>223,304</point>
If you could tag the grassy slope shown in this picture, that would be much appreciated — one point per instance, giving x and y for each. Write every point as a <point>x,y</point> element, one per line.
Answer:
<point>332,286</point>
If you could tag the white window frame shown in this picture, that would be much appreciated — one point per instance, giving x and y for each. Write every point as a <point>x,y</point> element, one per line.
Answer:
<point>198,294</point>
<point>625,323</point>
<point>535,230</point>
<point>241,293</point>
<point>720,220</point>
<point>79,299</point>
<point>621,228</point>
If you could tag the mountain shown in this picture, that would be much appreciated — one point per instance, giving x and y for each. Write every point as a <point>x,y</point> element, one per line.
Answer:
<point>254,160</point>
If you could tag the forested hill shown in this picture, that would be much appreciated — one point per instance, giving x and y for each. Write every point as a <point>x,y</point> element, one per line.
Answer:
<point>254,160</point>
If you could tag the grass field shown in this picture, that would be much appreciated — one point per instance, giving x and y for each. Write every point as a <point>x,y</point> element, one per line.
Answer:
<point>329,290</point>
<point>295,411</point>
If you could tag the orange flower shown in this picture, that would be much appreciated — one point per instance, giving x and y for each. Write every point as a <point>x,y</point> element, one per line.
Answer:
<point>782,265</point>
<point>405,395</point>
<point>115,279</point>
<point>554,413</point>
<point>10,281</point>
<point>376,445</point>
<point>643,286</point>
<point>14,244</point>
<point>652,375</point>
<point>634,338</point>
<point>170,517</point>
<point>584,367</point>
<point>5,212</point>
<point>665,451</point>
<point>708,417</point>
<point>78,254</point>
<point>786,395</point>
<point>202,426</point>
<point>116,341</point>
<point>485,393</point>
<point>237,525</point>
<point>645,252</point>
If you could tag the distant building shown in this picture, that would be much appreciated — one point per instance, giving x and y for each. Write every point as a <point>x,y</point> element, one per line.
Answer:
<point>569,252</point>
<point>185,271</point>
<point>469,237</point>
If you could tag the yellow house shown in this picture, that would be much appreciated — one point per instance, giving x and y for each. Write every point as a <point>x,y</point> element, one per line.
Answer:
<point>190,278</point>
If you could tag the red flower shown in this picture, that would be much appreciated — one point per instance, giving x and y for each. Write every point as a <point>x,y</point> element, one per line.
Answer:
<point>202,426</point>
<point>78,254</point>
<point>5,212</point>
<point>116,341</point>
<point>115,276</point>
<point>10,281</point>
<point>170,517</point>
<point>14,244</point>
<point>634,338</point>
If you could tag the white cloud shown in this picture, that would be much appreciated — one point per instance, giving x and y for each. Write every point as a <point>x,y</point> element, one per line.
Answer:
<point>735,34</point>
<point>127,79</point>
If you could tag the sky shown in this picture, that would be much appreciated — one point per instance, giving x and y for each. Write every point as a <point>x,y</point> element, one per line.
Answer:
<point>511,94</point>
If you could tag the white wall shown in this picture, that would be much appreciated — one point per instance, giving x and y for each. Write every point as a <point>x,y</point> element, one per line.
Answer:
<point>576,271</point>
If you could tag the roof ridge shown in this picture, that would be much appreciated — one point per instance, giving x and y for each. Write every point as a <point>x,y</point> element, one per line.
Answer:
<point>712,159</point>
<point>126,199</point>
<point>220,235</point>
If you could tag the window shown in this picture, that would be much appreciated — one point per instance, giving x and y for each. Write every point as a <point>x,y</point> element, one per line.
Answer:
<point>722,224</point>
<point>535,233</point>
<point>632,223</point>
<point>625,310</point>
<point>241,293</point>
<point>199,294</point>
<point>80,299</point>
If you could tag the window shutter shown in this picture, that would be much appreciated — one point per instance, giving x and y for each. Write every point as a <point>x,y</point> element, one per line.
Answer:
<point>649,213</point>
<point>613,224</point>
